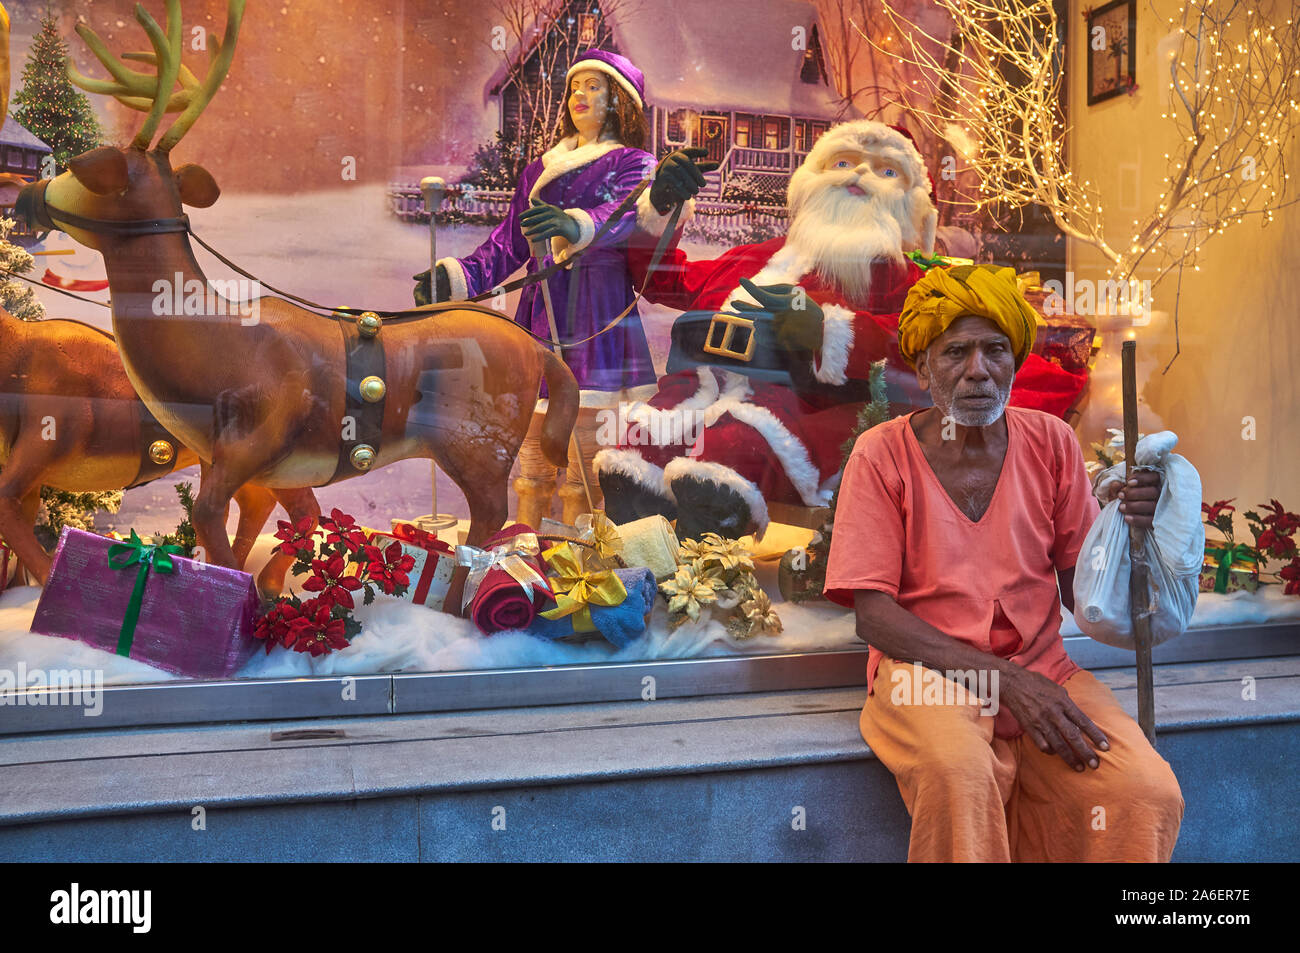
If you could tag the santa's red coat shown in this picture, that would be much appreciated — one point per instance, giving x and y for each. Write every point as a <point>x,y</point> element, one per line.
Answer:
<point>769,442</point>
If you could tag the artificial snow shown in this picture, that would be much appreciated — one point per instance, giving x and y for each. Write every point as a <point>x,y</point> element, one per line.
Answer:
<point>398,636</point>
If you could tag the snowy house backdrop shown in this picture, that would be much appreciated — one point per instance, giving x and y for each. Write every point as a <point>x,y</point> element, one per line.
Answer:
<point>748,83</point>
<point>21,155</point>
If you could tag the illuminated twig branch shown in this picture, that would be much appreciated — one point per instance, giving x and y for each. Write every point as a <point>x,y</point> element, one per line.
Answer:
<point>1234,81</point>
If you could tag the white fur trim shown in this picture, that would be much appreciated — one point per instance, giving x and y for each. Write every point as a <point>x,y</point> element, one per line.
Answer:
<point>862,132</point>
<point>788,448</point>
<point>631,464</point>
<point>669,421</point>
<point>837,344</point>
<point>651,222</point>
<point>719,475</point>
<point>602,67</point>
<point>606,398</point>
<point>455,278</point>
<point>566,155</point>
<point>560,247</point>
<point>786,266</point>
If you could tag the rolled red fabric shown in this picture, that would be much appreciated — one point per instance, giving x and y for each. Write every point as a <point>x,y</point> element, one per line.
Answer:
<point>500,602</point>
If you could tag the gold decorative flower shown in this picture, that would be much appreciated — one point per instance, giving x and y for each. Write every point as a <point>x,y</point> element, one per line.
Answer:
<point>688,593</point>
<point>760,615</point>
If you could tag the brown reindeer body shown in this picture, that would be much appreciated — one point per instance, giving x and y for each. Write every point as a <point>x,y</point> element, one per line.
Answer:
<point>69,419</point>
<point>262,393</point>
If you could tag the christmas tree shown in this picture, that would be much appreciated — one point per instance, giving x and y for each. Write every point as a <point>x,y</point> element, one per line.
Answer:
<point>16,297</point>
<point>48,105</point>
<point>803,570</point>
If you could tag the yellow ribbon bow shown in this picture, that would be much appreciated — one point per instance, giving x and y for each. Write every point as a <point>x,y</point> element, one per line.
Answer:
<point>597,529</point>
<point>577,590</point>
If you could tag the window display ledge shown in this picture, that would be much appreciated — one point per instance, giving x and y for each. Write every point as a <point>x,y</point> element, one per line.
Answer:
<point>182,702</point>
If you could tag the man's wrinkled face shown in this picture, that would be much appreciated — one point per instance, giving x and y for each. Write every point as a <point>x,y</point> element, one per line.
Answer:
<point>968,370</point>
<point>867,172</point>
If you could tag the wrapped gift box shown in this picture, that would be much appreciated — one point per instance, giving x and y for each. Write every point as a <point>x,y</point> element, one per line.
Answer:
<point>195,621</point>
<point>435,561</point>
<point>1242,574</point>
<point>1066,339</point>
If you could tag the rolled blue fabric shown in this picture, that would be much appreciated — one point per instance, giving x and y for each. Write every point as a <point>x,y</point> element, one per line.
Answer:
<point>619,625</point>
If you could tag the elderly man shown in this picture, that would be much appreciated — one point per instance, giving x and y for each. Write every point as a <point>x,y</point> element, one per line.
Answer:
<point>953,527</point>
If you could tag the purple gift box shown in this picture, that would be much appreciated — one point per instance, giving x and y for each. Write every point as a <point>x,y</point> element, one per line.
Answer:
<point>196,621</point>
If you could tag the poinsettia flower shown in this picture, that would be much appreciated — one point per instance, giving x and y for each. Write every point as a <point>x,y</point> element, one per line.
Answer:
<point>297,536</point>
<point>318,632</point>
<point>275,624</point>
<point>1221,506</point>
<point>1291,574</point>
<point>340,528</point>
<point>329,580</point>
<point>1279,519</point>
<point>1277,546</point>
<point>388,567</point>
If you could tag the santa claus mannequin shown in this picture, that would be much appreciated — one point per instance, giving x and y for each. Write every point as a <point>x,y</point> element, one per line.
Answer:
<point>719,441</point>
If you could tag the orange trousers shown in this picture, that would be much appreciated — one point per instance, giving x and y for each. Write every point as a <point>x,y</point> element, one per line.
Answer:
<point>976,797</point>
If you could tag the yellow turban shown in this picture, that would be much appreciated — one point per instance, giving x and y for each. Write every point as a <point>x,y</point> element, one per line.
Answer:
<point>945,294</point>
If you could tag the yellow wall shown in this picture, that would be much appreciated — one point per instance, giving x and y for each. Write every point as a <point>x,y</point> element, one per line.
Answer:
<point>1239,316</point>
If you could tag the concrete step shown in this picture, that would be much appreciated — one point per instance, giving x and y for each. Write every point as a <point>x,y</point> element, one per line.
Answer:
<point>721,778</point>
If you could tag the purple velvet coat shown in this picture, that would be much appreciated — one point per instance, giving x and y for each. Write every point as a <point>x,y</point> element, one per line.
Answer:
<point>589,183</point>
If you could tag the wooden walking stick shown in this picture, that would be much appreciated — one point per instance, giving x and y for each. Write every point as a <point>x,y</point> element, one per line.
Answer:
<point>1139,595</point>
<point>432,188</point>
<point>539,252</point>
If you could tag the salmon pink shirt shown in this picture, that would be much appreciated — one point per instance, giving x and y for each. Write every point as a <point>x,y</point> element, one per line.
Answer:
<point>990,583</point>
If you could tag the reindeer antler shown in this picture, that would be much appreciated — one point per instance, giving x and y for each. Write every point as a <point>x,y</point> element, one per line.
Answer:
<point>154,93</point>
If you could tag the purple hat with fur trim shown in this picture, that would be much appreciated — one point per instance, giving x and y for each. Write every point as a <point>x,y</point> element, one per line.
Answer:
<point>618,68</point>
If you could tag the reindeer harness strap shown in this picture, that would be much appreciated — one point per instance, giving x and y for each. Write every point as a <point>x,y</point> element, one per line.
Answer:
<point>157,449</point>
<point>363,420</point>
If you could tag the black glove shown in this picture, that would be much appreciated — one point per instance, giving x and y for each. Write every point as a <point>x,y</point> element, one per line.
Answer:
<point>544,221</point>
<point>796,318</point>
<point>678,178</point>
<point>422,287</point>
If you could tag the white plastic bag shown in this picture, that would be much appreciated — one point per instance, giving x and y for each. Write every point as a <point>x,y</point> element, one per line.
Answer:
<point>1174,551</point>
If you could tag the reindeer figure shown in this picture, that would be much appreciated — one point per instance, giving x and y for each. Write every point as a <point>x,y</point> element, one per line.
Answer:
<point>268,398</point>
<point>69,419</point>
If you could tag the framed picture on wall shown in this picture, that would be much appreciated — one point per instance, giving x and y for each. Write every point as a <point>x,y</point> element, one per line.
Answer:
<point>1112,58</point>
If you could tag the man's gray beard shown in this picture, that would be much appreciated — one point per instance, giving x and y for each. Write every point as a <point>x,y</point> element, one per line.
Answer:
<point>943,400</point>
<point>842,234</point>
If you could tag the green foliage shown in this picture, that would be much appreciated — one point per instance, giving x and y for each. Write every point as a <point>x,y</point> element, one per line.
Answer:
<point>873,412</point>
<point>48,105</point>
<point>60,508</point>
<point>17,297</point>
<point>185,535</point>
<point>497,164</point>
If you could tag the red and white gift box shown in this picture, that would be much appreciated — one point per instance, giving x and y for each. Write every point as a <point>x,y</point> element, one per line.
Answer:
<point>435,561</point>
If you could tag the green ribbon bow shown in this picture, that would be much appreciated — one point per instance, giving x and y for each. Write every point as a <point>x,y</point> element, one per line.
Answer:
<point>134,552</point>
<point>1227,555</point>
<point>931,262</point>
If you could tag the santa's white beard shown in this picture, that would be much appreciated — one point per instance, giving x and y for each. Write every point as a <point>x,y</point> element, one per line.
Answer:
<point>840,233</point>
